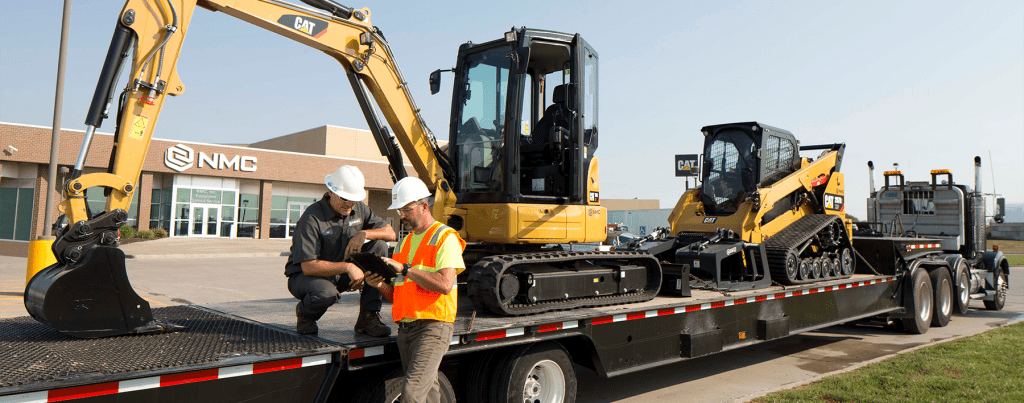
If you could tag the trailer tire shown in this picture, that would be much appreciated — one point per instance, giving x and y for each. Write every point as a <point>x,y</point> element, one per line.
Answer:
<point>389,389</point>
<point>477,374</point>
<point>942,292</point>
<point>999,301</point>
<point>962,289</point>
<point>918,297</point>
<point>537,373</point>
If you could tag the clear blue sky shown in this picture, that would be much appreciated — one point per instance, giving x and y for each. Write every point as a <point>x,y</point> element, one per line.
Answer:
<point>926,84</point>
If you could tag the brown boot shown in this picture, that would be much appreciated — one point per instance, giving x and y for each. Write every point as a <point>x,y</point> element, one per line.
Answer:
<point>369,324</point>
<point>304,325</point>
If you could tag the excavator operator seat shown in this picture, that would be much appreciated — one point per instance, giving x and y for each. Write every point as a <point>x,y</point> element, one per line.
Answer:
<point>543,152</point>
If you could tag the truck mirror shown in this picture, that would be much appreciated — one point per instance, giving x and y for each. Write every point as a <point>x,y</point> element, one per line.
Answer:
<point>1000,210</point>
<point>435,82</point>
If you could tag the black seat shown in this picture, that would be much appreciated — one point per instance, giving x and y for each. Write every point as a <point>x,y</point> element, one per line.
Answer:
<point>545,136</point>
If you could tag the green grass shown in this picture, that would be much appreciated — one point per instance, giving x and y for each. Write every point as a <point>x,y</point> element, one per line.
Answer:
<point>1015,260</point>
<point>982,368</point>
<point>1007,246</point>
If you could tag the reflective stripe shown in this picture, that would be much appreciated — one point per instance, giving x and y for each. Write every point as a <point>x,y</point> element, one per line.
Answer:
<point>413,301</point>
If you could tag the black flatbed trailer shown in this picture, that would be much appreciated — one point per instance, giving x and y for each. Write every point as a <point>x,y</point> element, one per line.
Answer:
<point>248,351</point>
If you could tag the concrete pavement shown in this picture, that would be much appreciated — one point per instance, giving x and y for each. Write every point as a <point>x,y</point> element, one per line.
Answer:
<point>202,248</point>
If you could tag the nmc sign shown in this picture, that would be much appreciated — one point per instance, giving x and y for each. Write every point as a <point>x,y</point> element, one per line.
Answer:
<point>180,157</point>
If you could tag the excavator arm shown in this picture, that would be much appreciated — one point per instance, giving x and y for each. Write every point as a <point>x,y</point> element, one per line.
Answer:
<point>147,41</point>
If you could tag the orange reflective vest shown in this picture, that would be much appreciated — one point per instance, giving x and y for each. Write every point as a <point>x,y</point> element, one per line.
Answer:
<point>412,301</point>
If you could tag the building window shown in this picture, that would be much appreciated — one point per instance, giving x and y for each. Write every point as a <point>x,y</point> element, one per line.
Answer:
<point>16,199</point>
<point>248,215</point>
<point>285,212</point>
<point>160,209</point>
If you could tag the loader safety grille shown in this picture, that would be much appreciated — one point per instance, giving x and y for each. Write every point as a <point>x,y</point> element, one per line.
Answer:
<point>34,352</point>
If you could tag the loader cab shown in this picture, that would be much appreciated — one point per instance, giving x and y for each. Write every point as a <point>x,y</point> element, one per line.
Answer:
<point>524,119</point>
<point>739,158</point>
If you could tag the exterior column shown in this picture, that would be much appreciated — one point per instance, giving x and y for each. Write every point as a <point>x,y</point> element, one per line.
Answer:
<point>39,201</point>
<point>145,196</point>
<point>266,191</point>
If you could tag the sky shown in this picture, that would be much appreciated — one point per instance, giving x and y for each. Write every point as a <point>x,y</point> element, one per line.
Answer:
<point>925,84</point>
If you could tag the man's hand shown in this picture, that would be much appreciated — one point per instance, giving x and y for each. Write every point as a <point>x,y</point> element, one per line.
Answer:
<point>356,277</point>
<point>355,244</point>
<point>393,264</point>
<point>374,280</point>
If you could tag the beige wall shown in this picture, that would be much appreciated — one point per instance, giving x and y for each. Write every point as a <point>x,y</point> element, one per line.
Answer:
<point>631,204</point>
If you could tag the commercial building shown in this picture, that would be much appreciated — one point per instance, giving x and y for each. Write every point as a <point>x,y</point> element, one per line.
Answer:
<point>192,189</point>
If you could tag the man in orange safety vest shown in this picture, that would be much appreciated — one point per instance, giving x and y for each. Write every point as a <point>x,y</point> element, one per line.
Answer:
<point>425,298</point>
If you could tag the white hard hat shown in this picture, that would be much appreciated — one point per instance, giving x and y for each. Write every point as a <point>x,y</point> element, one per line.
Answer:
<point>347,182</point>
<point>406,191</point>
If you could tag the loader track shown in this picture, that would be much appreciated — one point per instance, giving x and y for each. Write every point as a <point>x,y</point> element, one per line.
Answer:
<point>485,276</point>
<point>793,260</point>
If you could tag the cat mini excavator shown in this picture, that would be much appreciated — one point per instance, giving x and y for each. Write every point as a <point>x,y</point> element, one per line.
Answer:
<point>761,214</point>
<point>518,176</point>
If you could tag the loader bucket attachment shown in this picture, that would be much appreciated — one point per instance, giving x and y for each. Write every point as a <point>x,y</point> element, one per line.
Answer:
<point>91,297</point>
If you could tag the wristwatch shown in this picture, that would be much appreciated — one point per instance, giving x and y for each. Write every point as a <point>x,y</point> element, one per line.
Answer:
<point>405,269</point>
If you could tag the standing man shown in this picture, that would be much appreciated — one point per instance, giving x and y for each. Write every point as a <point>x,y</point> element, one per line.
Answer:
<point>327,233</point>
<point>424,294</point>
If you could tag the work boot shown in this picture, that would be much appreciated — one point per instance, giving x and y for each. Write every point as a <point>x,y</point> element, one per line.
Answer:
<point>304,325</point>
<point>369,324</point>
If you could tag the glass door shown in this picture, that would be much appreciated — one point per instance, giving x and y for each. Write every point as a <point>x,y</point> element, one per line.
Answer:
<point>205,220</point>
<point>295,210</point>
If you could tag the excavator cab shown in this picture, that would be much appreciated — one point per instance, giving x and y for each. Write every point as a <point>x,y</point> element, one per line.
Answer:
<point>524,119</point>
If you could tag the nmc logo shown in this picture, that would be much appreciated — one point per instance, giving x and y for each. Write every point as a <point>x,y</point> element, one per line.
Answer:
<point>180,157</point>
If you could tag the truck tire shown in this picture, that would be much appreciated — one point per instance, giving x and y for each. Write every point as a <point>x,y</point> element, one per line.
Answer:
<point>476,374</point>
<point>999,300</point>
<point>389,389</point>
<point>918,299</point>
<point>962,291</point>
<point>537,373</point>
<point>942,292</point>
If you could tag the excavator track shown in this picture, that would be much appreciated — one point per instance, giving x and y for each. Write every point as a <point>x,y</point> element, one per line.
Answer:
<point>492,276</point>
<point>792,258</point>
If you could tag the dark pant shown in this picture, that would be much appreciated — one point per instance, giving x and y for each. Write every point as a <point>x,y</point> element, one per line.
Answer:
<point>316,294</point>
<point>421,345</point>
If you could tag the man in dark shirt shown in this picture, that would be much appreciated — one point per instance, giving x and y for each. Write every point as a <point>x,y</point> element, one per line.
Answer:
<point>327,233</point>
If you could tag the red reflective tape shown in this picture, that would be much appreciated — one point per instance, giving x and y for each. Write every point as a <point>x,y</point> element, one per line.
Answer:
<point>550,327</point>
<point>497,334</point>
<point>761,298</point>
<point>842,286</point>
<point>188,377</point>
<point>79,392</point>
<point>798,292</point>
<point>635,315</point>
<point>272,366</point>
<point>360,353</point>
<point>692,308</point>
<point>669,311</point>
<point>718,304</point>
<point>829,288</point>
<point>811,291</point>
<point>780,295</point>
<point>739,301</point>
<point>601,320</point>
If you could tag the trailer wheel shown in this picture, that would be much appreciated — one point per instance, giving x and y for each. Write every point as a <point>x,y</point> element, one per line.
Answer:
<point>919,302</point>
<point>942,291</point>
<point>538,373</point>
<point>389,389</point>
<point>963,288</point>
<point>999,300</point>
<point>477,373</point>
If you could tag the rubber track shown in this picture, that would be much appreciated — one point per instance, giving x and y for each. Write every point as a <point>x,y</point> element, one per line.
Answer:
<point>793,237</point>
<point>483,281</point>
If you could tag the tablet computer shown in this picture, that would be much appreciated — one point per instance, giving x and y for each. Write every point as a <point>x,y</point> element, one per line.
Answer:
<point>368,262</point>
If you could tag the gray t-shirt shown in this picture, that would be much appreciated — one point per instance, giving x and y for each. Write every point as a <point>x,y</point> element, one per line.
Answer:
<point>323,234</point>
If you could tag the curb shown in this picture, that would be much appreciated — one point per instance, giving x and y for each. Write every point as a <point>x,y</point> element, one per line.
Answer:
<point>206,255</point>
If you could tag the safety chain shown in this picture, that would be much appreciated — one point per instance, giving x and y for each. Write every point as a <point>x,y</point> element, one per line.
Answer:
<point>865,261</point>
<point>709,286</point>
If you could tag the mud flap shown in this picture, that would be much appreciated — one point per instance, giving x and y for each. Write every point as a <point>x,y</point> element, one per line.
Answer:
<point>90,298</point>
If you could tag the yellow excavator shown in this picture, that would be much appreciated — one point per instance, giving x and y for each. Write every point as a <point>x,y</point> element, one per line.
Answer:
<point>518,180</point>
<point>762,214</point>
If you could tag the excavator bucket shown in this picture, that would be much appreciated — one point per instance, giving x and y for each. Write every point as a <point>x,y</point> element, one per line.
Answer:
<point>90,297</point>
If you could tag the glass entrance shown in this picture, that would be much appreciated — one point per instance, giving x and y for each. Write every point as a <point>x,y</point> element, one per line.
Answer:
<point>295,210</point>
<point>205,220</point>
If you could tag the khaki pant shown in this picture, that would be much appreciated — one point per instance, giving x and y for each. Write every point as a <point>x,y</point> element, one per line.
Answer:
<point>421,345</point>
